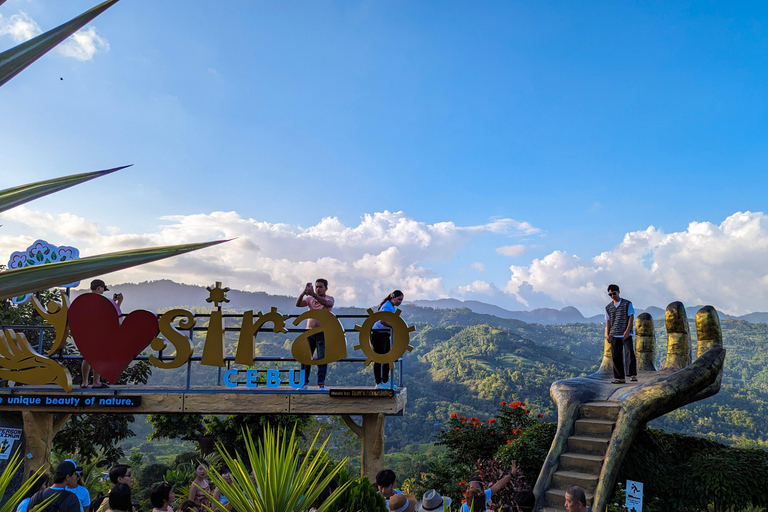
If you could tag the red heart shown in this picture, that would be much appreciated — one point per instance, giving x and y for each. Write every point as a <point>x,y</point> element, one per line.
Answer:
<point>106,344</point>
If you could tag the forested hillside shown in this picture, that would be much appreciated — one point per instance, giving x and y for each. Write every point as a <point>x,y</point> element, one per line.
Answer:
<point>466,362</point>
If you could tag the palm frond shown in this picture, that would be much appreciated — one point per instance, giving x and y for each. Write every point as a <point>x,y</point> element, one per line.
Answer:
<point>12,197</point>
<point>13,61</point>
<point>31,279</point>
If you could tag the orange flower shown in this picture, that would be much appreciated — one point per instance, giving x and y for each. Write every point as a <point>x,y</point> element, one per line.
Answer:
<point>509,441</point>
<point>541,415</point>
<point>462,483</point>
<point>457,428</point>
<point>492,421</point>
<point>455,415</point>
<point>522,403</point>
<point>503,403</point>
<point>526,411</point>
<point>514,406</point>
<point>463,418</point>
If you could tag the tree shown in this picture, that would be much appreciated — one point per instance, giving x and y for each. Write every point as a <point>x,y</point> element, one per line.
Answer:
<point>227,430</point>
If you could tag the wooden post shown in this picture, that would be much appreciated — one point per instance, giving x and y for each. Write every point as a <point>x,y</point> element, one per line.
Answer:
<point>371,434</point>
<point>39,429</point>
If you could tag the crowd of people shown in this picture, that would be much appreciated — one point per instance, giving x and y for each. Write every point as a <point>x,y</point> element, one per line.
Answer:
<point>67,494</point>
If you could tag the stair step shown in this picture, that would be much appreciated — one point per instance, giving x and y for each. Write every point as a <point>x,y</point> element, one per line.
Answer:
<point>593,427</point>
<point>600,410</point>
<point>588,445</point>
<point>555,499</point>
<point>581,462</point>
<point>565,479</point>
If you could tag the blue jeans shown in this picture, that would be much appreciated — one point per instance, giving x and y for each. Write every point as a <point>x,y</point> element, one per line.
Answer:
<point>316,342</point>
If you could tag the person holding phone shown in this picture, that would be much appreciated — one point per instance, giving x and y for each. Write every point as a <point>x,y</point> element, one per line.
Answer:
<point>315,298</point>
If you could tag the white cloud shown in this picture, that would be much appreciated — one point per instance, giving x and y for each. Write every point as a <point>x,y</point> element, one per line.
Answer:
<point>479,266</point>
<point>83,44</point>
<point>21,27</point>
<point>363,263</point>
<point>723,265</point>
<point>477,288</point>
<point>512,250</point>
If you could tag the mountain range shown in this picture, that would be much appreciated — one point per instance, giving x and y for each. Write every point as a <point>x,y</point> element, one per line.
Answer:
<point>163,294</point>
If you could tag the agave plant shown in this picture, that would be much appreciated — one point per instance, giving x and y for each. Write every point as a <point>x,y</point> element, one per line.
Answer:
<point>282,479</point>
<point>14,465</point>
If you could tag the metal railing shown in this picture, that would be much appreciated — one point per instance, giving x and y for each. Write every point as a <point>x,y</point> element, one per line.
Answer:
<point>229,361</point>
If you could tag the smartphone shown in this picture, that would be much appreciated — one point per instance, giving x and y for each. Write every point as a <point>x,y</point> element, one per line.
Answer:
<point>310,288</point>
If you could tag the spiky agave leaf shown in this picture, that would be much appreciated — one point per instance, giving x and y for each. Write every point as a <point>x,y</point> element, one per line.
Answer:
<point>40,277</point>
<point>282,480</point>
<point>12,197</point>
<point>15,463</point>
<point>13,61</point>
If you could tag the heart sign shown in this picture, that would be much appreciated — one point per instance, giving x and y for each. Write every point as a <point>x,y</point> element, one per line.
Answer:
<point>106,344</point>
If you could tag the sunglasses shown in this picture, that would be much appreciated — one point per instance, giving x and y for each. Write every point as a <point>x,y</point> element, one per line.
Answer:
<point>611,294</point>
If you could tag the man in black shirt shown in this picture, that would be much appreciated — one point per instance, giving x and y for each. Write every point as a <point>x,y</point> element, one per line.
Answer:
<point>63,500</point>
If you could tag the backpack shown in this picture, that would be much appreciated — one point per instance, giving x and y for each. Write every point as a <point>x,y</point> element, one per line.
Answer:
<point>96,502</point>
<point>53,506</point>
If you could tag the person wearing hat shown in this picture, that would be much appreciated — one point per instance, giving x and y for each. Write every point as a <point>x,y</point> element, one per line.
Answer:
<point>402,503</point>
<point>99,286</point>
<point>65,476</point>
<point>82,493</point>
<point>433,501</point>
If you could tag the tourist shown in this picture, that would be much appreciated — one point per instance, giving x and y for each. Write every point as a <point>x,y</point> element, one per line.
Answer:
<point>119,474</point>
<point>63,501</point>
<point>82,493</point>
<point>315,298</point>
<point>476,483</point>
<point>40,484</point>
<point>200,484</point>
<point>619,317</point>
<point>98,286</point>
<point>385,483</point>
<point>381,338</point>
<point>324,495</point>
<point>402,503</point>
<point>226,475</point>
<point>188,506</point>
<point>120,499</point>
<point>576,500</point>
<point>432,501</point>
<point>525,500</point>
<point>161,496</point>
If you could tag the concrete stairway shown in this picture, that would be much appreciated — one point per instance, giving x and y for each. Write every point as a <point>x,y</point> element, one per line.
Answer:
<point>582,461</point>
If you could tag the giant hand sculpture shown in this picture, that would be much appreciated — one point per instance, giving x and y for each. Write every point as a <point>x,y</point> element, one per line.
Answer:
<point>656,393</point>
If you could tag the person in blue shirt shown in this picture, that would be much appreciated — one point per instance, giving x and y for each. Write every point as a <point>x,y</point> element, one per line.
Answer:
<point>380,338</point>
<point>41,483</point>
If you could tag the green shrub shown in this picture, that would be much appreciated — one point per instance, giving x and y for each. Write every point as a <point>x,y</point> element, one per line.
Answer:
<point>361,495</point>
<point>529,449</point>
<point>685,473</point>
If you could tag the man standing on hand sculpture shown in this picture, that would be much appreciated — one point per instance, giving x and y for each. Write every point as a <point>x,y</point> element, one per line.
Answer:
<point>619,317</point>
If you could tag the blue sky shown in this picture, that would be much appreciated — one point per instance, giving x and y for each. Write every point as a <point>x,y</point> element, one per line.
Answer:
<point>405,144</point>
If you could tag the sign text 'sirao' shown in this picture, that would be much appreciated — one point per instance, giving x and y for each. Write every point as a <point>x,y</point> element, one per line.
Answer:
<point>109,343</point>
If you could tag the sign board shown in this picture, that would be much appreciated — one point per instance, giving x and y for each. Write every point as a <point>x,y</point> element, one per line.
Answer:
<point>360,393</point>
<point>634,501</point>
<point>8,436</point>
<point>73,401</point>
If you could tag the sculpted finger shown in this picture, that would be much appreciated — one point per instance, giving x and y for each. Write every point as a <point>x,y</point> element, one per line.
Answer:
<point>708,330</point>
<point>645,342</point>
<point>678,337</point>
